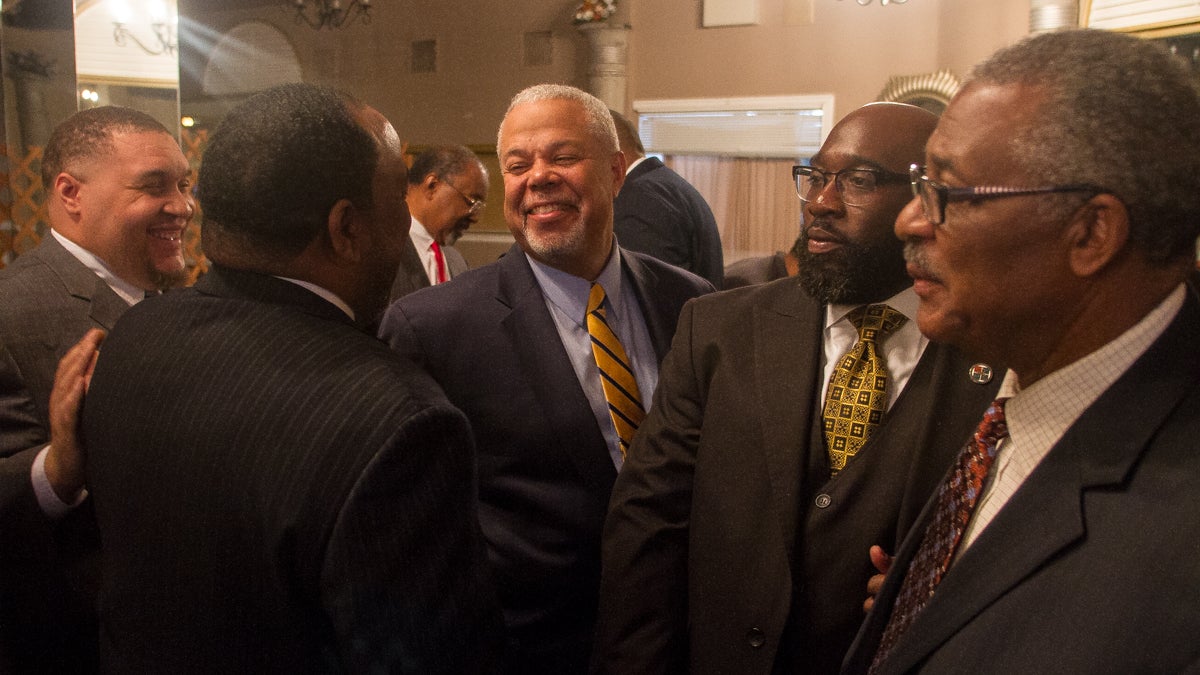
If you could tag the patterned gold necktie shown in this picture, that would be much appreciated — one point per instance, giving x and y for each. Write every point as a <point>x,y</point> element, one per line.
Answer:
<point>857,395</point>
<point>620,386</point>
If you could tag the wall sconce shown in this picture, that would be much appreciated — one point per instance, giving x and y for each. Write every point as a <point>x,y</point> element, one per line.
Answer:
<point>165,41</point>
<point>320,14</point>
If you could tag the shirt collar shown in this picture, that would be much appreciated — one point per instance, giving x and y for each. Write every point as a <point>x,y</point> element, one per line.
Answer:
<point>570,293</point>
<point>420,236</point>
<point>905,302</point>
<point>131,293</point>
<point>633,166</point>
<point>324,293</point>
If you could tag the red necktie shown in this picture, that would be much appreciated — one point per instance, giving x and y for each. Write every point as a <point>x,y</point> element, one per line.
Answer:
<point>441,262</point>
<point>956,501</point>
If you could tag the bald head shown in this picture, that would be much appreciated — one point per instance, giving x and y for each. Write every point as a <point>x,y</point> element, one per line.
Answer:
<point>893,134</point>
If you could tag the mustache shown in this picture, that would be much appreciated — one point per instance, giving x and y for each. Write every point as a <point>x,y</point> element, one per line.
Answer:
<point>826,229</point>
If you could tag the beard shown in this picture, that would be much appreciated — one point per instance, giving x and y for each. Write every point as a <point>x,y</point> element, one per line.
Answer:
<point>855,273</point>
<point>557,248</point>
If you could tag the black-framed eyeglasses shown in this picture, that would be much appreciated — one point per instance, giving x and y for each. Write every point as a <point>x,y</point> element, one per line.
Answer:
<point>855,187</point>
<point>474,205</point>
<point>935,196</point>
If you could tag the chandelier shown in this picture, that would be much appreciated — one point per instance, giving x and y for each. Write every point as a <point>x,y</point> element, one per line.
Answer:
<point>864,3</point>
<point>331,14</point>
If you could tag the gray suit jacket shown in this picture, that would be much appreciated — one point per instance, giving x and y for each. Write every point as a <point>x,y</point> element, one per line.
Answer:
<point>48,300</point>
<point>728,548</point>
<point>544,467</point>
<point>1092,566</point>
<point>411,275</point>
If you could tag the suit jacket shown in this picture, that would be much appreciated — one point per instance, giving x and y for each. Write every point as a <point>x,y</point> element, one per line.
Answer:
<point>277,491</point>
<point>757,270</point>
<point>660,214</point>
<point>544,468</point>
<point>48,571</point>
<point>411,275</point>
<point>1091,567</point>
<point>728,547</point>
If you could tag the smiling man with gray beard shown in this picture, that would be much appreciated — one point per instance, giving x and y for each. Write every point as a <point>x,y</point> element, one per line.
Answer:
<point>511,345</point>
<point>784,441</point>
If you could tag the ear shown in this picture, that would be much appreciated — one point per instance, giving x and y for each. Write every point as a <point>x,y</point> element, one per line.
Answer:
<point>66,189</point>
<point>347,234</point>
<point>618,169</point>
<point>1098,233</point>
<point>428,185</point>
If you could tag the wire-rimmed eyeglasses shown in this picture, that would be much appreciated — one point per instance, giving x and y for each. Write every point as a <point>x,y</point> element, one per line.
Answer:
<point>474,205</point>
<point>855,187</point>
<point>935,196</point>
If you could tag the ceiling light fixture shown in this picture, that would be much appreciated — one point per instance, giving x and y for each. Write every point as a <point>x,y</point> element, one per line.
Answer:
<point>330,14</point>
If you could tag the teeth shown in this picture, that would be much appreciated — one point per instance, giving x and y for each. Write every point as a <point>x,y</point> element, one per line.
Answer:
<point>544,208</point>
<point>167,236</point>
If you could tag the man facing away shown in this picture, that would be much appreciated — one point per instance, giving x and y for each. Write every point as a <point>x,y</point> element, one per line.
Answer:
<point>118,198</point>
<point>276,490</point>
<point>1055,229</point>
<point>659,213</point>
<point>796,423</point>
<point>446,195</point>
<point>516,344</point>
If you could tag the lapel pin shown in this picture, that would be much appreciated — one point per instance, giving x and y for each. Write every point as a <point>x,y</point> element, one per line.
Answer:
<point>980,373</point>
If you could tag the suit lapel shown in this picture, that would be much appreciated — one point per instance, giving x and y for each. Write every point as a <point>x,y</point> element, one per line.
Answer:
<point>534,339</point>
<point>786,362</point>
<point>654,310</point>
<point>105,305</point>
<point>1046,515</point>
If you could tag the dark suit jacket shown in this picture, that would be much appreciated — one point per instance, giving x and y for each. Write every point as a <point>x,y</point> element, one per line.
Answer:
<point>544,468</point>
<point>278,491</point>
<point>660,214</point>
<point>1092,565</point>
<point>728,548</point>
<point>48,571</point>
<point>411,274</point>
<point>757,270</point>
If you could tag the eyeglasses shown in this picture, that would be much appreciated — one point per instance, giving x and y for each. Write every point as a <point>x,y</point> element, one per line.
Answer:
<point>475,205</point>
<point>935,196</point>
<point>855,187</point>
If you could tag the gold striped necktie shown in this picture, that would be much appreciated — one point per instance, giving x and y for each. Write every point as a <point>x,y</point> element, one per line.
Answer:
<point>620,386</point>
<point>857,395</point>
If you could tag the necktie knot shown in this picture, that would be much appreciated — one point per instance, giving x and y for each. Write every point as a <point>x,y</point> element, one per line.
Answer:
<point>875,322</point>
<point>596,299</point>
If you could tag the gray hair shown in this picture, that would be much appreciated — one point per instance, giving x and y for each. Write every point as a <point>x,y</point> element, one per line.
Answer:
<point>599,120</point>
<point>1132,129</point>
<point>442,161</point>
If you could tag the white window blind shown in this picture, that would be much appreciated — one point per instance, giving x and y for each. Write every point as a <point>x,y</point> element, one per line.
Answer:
<point>771,126</point>
<point>1119,14</point>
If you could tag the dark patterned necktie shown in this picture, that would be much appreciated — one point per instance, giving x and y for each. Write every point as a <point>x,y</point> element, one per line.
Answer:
<point>857,395</point>
<point>956,499</point>
<point>616,376</point>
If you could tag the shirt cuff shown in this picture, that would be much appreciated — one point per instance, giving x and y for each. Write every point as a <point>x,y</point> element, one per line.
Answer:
<point>47,498</point>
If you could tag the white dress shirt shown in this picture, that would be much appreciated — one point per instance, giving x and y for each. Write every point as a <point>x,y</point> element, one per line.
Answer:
<point>423,241</point>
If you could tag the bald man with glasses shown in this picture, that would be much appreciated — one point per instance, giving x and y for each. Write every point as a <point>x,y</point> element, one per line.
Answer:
<point>737,536</point>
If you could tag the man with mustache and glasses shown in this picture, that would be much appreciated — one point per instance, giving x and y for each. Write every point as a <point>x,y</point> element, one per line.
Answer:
<point>1055,232</point>
<point>446,196</point>
<point>553,354</point>
<point>784,440</point>
<point>118,199</point>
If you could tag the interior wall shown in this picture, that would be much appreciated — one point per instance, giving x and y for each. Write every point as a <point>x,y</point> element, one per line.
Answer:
<point>845,49</point>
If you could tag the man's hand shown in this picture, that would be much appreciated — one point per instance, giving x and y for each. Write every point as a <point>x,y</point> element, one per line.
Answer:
<point>882,563</point>
<point>65,459</point>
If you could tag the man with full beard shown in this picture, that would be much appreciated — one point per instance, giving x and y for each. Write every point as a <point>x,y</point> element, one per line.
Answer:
<point>511,343</point>
<point>784,441</point>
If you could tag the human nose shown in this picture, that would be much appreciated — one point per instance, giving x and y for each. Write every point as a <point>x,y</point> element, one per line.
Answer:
<point>912,223</point>
<point>827,199</point>
<point>542,172</point>
<point>181,204</point>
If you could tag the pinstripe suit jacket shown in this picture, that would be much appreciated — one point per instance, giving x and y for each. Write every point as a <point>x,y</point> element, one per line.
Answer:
<point>545,470</point>
<point>278,491</point>
<point>48,300</point>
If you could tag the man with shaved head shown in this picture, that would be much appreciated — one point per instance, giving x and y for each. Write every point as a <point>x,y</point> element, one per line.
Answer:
<point>796,423</point>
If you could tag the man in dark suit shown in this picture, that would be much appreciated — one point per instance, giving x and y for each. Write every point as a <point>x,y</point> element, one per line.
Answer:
<point>118,199</point>
<point>509,344</point>
<point>445,196</point>
<point>760,270</point>
<point>276,490</point>
<point>738,534</point>
<point>659,213</point>
<point>1072,546</point>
